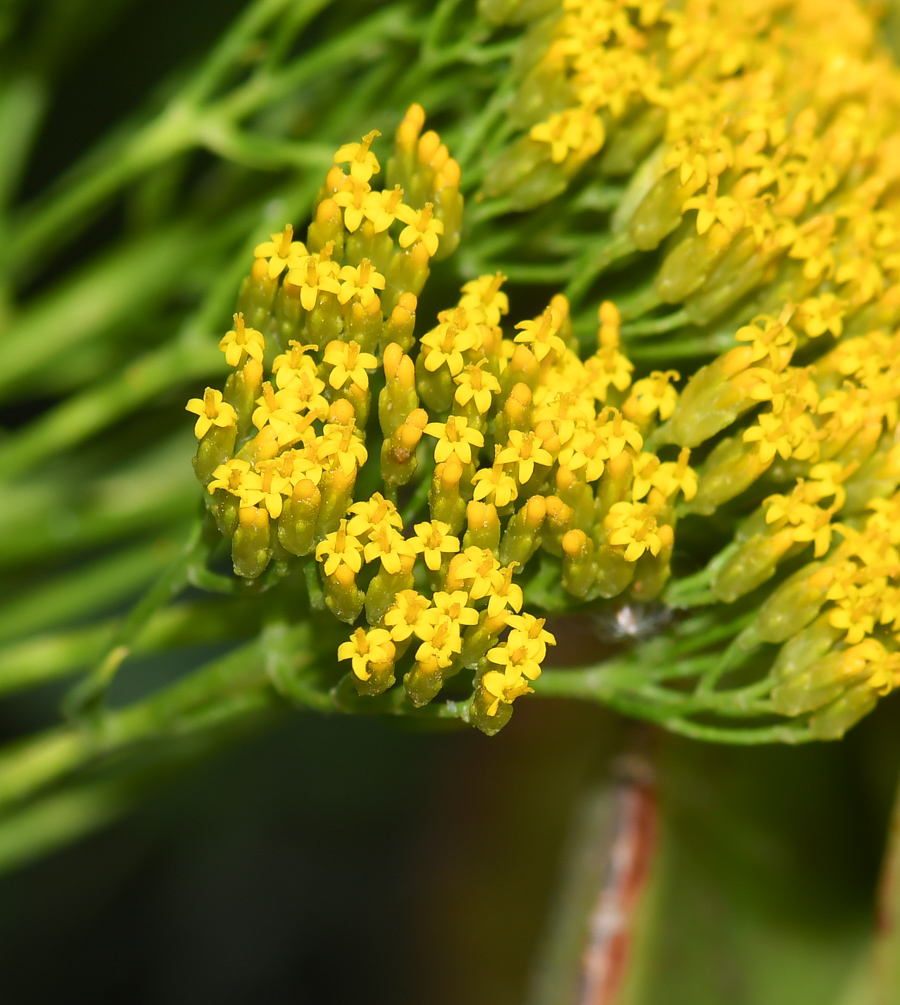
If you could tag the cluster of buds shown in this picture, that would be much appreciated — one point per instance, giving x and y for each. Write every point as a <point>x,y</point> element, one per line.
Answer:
<point>488,458</point>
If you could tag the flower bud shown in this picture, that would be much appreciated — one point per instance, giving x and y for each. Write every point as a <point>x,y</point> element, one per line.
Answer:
<point>792,605</point>
<point>398,397</point>
<point>297,523</point>
<point>400,323</point>
<point>328,225</point>
<point>444,500</point>
<point>831,722</point>
<point>342,596</point>
<point>658,214</point>
<point>578,569</point>
<point>398,452</point>
<point>557,524</point>
<point>251,546</point>
<point>522,536</point>
<point>483,529</point>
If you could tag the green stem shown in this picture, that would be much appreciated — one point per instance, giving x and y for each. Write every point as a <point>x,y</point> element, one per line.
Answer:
<point>654,326</point>
<point>595,260</point>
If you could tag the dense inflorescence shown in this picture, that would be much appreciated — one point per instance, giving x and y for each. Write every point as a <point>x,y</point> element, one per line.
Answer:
<point>527,460</point>
<point>763,148</point>
<point>763,155</point>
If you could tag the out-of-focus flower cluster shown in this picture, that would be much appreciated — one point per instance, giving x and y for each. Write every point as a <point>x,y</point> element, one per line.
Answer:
<point>762,147</point>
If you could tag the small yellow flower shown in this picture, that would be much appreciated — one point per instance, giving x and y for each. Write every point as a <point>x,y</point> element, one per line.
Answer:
<point>229,477</point>
<point>524,450</point>
<point>476,385</point>
<point>518,653</point>
<point>434,540</point>
<point>361,282</point>
<point>391,547</point>
<point>421,225</point>
<point>283,252</point>
<point>314,276</point>
<point>447,343</point>
<point>340,548</point>
<point>363,163</point>
<point>289,366</point>
<point>276,407</point>
<point>505,594</point>
<point>349,364</point>
<point>344,445</point>
<point>532,629</point>
<point>268,487</point>
<point>410,610</point>
<point>366,649</point>
<point>712,208</point>
<point>352,201</point>
<point>652,395</point>
<point>633,527</point>
<point>381,208</point>
<point>485,294</point>
<point>211,411</point>
<point>372,514</point>
<point>242,343</point>
<point>574,130</point>
<point>504,687</point>
<point>477,569</point>
<point>454,437</point>
<point>495,485</point>
<point>541,335</point>
<point>441,644</point>
<point>455,606</point>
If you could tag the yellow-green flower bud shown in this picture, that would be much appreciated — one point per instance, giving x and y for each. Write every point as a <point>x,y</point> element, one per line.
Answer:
<point>337,493</point>
<point>522,536</point>
<point>251,546</point>
<point>401,323</point>
<point>658,214</point>
<point>803,650</point>
<point>384,587</point>
<point>398,397</point>
<point>687,265</point>
<point>483,526</point>
<point>344,598</point>
<point>398,452</point>
<point>328,226</point>
<point>257,297</point>
<point>363,324</point>
<point>557,524</point>
<point>578,569</point>
<point>831,722</point>
<point>613,572</point>
<point>445,502</point>
<point>792,606</point>
<point>652,571</point>
<point>297,523</point>
<point>407,272</point>
<point>732,467</point>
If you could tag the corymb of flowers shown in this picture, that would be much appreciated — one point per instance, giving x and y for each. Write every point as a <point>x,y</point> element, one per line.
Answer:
<point>435,487</point>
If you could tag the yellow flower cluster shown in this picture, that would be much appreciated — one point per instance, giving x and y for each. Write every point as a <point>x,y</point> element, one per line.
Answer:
<point>763,148</point>
<point>531,457</point>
